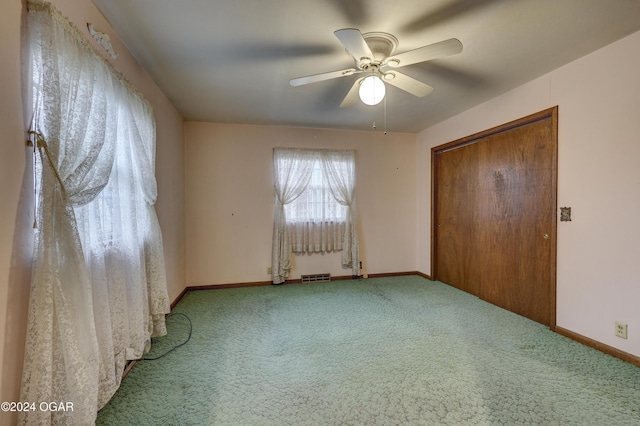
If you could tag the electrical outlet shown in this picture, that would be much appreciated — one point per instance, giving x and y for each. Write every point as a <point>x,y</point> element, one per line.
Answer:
<point>268,270</point>
<point>621,330</point>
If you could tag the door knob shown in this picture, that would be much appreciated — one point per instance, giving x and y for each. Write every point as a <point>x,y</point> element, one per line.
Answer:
<point>545,236</point>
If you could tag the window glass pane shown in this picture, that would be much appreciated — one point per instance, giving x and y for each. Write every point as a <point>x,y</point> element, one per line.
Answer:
<point>316,204</point>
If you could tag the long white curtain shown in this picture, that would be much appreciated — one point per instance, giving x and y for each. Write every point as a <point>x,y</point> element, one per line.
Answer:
<point>339,171</point>
<point>314,225</point>
<point>292,172</point>
<point>98,291</point>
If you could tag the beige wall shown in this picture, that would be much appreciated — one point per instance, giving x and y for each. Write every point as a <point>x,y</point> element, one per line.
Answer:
<point>598,276</point>
<point>14,227</point>
<point>230,200</point>
<point>16,214</point>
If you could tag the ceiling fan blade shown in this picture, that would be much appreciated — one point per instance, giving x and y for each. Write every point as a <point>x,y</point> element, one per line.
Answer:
<point>408,84</point>
<point>352,96</point>
<point>301,81</point>
<point>425,53</point>
<point>265,50</point>
<point>354,11</point>
<point>354,43</point>
<point>448,12</point>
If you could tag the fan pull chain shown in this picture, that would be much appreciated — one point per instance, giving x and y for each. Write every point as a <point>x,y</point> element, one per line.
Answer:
<point>385,115</point>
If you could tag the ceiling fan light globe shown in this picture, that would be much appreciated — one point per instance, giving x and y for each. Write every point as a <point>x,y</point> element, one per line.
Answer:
<point>372,90</point>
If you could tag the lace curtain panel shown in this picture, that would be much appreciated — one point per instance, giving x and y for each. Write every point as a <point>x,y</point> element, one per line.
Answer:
<point>98,291</point>
<point>314,207</point>
<point>315,219</point>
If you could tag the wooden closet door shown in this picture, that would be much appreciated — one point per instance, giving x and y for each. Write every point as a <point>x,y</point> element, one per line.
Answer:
<point>515,201</point>
<point>456,199</point>
<point>495,216</point>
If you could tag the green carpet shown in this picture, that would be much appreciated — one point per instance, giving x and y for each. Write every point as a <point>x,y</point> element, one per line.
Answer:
<point>386,351</point>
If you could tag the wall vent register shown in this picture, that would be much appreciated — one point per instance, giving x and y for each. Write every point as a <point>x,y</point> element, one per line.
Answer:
<point>316,278</point>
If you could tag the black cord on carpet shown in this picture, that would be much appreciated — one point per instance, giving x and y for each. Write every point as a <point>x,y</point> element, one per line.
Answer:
<point>178,345</point>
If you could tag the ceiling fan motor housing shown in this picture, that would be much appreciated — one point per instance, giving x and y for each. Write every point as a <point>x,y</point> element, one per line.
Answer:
<point>382,45</point>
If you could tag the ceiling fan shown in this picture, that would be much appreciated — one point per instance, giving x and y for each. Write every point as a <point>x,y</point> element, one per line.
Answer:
<point>374,57</point>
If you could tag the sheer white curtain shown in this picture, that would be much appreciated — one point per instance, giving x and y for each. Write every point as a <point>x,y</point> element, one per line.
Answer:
<point>339,170</point>
<point>292,172</point>
<point>315,219</point>
<point>98,290</point>
<point>315,209</point>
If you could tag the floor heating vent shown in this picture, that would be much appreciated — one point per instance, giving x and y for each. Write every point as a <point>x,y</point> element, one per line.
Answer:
<point>316,278</point>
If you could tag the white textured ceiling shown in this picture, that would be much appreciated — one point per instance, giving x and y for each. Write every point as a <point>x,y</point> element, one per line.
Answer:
<point>231,61</point>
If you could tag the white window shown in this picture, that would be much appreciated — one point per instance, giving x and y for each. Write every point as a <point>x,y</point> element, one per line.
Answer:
<point>316,204</point>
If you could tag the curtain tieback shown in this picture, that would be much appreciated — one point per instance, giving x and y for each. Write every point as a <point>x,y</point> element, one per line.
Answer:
<point>42,146</point>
